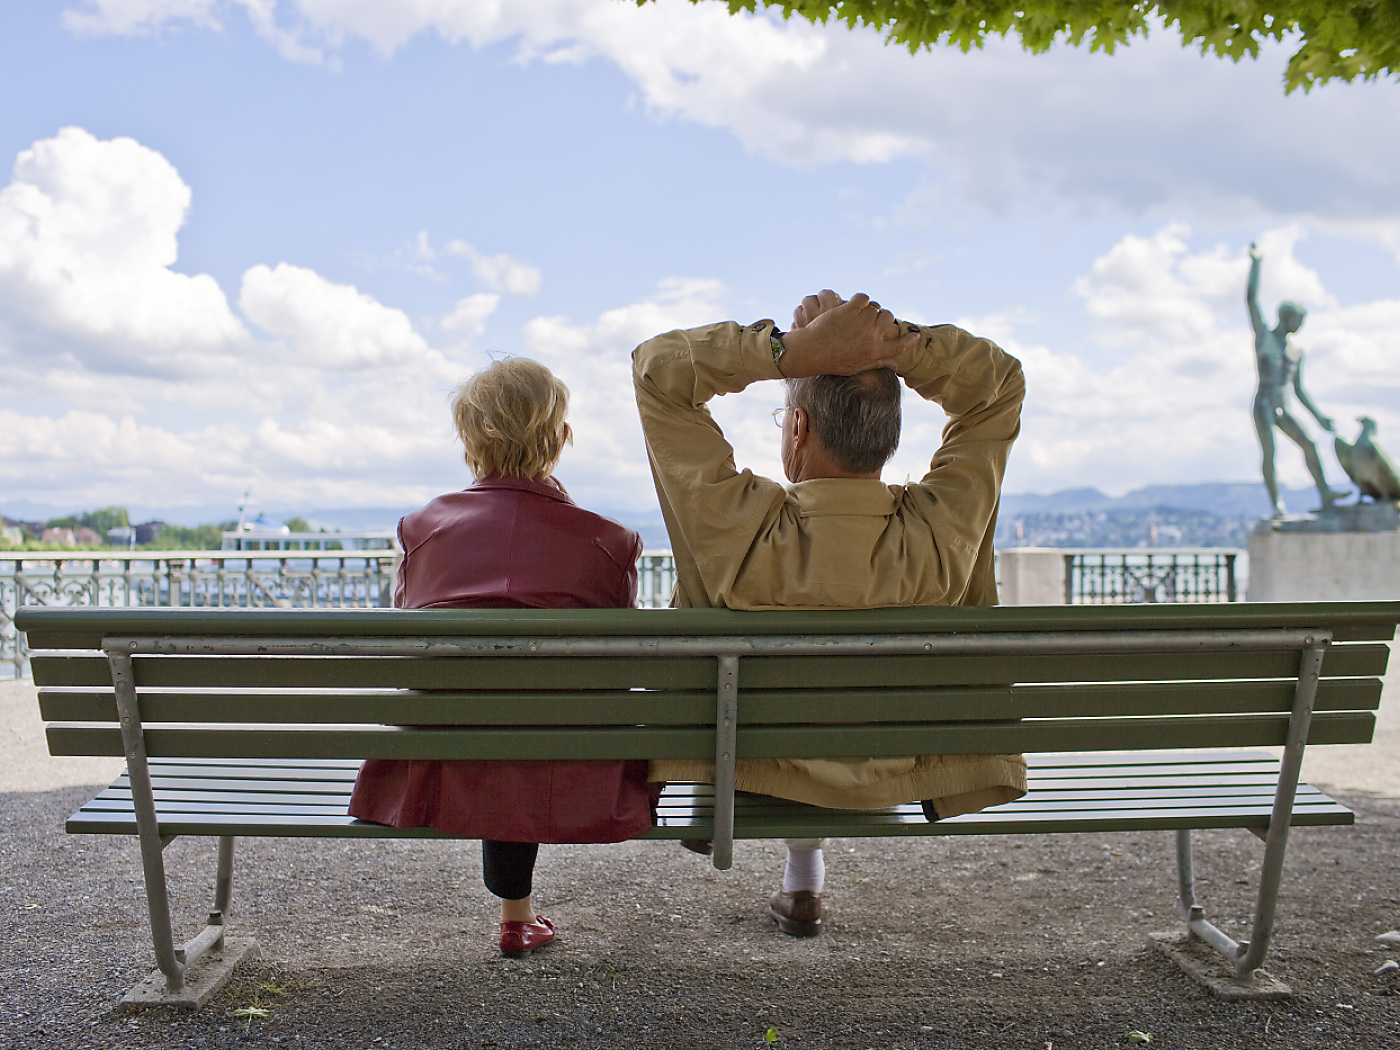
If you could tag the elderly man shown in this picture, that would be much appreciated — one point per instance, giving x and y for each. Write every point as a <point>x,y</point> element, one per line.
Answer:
<point>837,537</point>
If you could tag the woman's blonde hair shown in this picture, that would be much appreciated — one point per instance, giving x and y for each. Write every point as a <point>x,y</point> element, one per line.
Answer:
<point>510,418</point>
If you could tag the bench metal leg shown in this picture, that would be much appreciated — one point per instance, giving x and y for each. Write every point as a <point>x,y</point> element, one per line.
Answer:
<point>1246,957</point>
<point>173,962</point>
<point>223,879</point>
<point>726,740</point>
<point>147,826</point>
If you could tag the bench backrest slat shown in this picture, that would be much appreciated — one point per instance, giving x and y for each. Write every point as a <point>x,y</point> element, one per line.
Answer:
<point>1108,734</point>
<point>671,707</point>
<point>502,695</point>
<point>86,627</point>
<point>755,672</point>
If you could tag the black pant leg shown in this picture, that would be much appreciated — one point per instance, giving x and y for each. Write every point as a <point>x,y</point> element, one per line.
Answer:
<point>508,868</point>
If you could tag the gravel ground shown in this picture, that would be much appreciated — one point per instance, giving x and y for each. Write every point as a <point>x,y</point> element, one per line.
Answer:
<point>1025,942</point>
<point>1029,942</point>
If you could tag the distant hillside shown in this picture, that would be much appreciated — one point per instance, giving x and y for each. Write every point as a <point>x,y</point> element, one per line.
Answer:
<point>1220,497</point>
<point>1216,514</point>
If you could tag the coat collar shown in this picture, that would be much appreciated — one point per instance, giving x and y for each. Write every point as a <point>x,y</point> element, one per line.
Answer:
<point>860,496</point>
<point>541,485</point>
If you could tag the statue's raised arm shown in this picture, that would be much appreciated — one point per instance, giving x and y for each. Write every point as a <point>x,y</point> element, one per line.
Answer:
<point>1251,292</point>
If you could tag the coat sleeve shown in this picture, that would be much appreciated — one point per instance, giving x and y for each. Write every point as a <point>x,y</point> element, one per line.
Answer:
<point>981,388</point>
<point>712,509</point>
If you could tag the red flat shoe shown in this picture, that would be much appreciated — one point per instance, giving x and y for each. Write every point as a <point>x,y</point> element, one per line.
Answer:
<point>519,939</point>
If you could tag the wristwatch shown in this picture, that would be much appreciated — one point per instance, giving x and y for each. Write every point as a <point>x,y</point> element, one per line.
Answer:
<point>775,341</point>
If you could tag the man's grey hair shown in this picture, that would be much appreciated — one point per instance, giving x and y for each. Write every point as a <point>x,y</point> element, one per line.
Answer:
<point>856,418</point>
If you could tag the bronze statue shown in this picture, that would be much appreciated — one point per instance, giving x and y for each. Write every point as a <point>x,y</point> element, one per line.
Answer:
<point>1281,366</point>
<point>1368,466</point>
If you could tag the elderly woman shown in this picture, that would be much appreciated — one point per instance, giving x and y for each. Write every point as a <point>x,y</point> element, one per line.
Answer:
<point>514,539</point>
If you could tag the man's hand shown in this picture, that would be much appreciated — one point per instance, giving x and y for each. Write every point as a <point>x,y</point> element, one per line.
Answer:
<point>813,306</point>
<point>835,337</point>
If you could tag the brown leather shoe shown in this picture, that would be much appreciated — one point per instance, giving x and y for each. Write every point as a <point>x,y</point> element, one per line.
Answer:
<point>798,913</point>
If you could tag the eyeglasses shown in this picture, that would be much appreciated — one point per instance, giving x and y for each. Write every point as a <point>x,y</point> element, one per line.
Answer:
<point>779,415</point>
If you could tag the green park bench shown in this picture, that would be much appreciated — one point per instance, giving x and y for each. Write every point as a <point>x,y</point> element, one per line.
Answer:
<point>253,722</point>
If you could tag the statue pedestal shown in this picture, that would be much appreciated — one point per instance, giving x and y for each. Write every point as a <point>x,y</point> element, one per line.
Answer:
<point>1349,553</point>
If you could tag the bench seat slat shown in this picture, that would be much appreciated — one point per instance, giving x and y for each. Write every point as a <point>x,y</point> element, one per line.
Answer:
<point>835,823</point>
<point>168,799</point>
<point>1031,805</point>
<point>320,785</point>
<point>331,767</point>
<point>284,807</point>
<point>169,786</point>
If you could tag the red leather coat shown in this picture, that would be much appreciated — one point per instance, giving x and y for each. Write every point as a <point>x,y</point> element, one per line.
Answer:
<point>511,543</point>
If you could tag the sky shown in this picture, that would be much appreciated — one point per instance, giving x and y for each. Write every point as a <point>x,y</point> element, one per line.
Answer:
<point>252,245</point>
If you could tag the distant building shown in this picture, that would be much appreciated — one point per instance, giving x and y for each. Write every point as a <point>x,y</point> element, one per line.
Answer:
<point>264,535</point>
<point>29,530</point>
<point>82,536</point>
<point>12,534</point>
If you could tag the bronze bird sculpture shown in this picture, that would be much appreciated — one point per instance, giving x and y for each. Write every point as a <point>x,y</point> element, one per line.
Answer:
<point>1367,464</point>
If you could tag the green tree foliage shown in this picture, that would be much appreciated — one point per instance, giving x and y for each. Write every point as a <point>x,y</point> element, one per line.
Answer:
<point>298,525</point>
<point>1336,39</point>
<point>199,538</point>
<point>99,521</point>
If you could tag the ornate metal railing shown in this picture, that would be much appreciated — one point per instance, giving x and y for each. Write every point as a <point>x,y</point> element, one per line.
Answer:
<point>299,579</point>
<point>1121,577</point>
<point>193,579</point>
<point>656,579</point>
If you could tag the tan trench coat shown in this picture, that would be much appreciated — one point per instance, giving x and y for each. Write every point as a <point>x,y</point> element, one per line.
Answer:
<point>746,542</point>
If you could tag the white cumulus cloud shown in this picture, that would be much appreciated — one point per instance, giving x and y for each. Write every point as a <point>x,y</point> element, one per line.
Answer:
<point>499,272</point>
<point>607,464</point>
<point>468,315</point>
<point>126,381</point>
<point>88,239</point>
<point>328,325</point>
<point>138,17</point>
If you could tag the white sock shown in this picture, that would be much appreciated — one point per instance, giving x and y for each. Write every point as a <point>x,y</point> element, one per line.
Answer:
<point>806,870</point>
